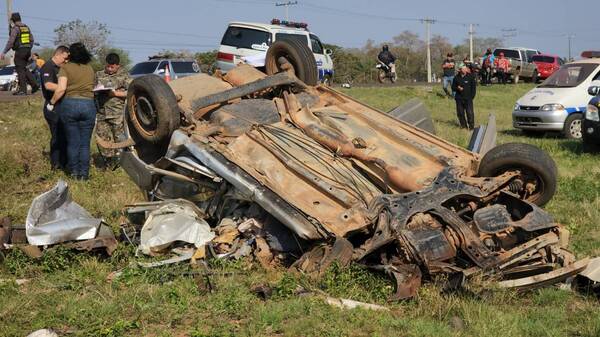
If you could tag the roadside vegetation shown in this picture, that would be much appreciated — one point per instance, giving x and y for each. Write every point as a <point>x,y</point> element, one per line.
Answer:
<point>77,293</point>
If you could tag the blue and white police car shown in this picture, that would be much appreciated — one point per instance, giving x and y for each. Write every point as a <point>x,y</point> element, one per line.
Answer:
<point>559,103</point>
<point>248,42</point>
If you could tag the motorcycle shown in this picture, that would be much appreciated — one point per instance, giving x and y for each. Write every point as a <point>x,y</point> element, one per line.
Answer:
<point>385,72</point>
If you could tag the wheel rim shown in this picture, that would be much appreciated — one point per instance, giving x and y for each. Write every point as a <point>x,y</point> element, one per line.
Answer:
<point>575,129</point>
<point>528,176</point>
<point>144,115</point>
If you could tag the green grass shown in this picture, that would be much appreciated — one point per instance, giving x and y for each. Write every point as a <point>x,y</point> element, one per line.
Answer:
<point>70,292</point>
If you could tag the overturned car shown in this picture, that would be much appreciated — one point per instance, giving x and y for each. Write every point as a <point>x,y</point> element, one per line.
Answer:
<point>351,183</point>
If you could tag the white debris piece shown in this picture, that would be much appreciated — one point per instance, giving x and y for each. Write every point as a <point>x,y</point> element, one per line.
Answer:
<point>174,222</point>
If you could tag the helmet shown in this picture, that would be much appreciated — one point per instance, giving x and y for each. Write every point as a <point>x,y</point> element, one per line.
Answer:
<point>385,47</point>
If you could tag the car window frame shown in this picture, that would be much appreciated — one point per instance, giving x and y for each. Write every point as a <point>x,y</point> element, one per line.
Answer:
<point>320,44</point>
<point>269,37</point>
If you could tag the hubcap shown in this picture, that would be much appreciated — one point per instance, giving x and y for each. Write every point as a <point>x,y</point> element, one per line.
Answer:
<point>575,129</point>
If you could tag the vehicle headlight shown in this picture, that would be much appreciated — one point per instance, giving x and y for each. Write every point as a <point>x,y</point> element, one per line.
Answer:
<point>591,113</point>
<point>517,107</point>
<point>552,107</point>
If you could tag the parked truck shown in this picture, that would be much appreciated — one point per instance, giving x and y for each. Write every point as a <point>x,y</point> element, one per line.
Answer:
<point>521,63</point>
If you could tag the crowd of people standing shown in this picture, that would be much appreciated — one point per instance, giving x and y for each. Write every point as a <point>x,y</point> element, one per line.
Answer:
<point>73,105</point>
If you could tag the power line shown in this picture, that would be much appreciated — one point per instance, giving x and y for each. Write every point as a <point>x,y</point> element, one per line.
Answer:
<point>127,28</point>
<point>287,6</point>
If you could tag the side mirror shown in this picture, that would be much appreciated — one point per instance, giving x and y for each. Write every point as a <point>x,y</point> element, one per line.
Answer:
<point>594,90</point>
<point>328,51</point>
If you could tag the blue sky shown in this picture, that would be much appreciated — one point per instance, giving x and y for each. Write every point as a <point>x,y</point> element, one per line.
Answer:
<point>145,27</point>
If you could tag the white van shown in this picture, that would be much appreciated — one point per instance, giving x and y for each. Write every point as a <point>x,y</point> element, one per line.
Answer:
<point>248,42</point>
<point>559,103</point>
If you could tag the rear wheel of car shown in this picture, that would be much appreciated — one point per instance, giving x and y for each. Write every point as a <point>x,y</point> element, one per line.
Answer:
<point>537,168</point>
<point>573,125</point>
<point>298,55</point>
<point>152,108</point>
<point>589,147</point>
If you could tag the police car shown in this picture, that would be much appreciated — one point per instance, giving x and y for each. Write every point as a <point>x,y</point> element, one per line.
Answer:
<point>559,103</point>
<point>248,42</point>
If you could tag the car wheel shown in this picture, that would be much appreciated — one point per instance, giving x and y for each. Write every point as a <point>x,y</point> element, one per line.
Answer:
<point>298,55</point>
<point>573,125</point>
<point>537,168</point>
<point>152,108</point>
<point>590,147</point>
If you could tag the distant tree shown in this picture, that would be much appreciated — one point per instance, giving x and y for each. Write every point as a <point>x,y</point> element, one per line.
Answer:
<point>45,53</point>
<point>175,54</point>
<point>94,35</point>
<point>206,60</point>
<point>99,59</point>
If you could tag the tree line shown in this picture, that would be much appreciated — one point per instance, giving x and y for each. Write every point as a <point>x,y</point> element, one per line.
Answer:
<point>351,65</point>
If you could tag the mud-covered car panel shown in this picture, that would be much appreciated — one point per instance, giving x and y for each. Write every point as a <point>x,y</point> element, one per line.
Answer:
<point>339,173</point>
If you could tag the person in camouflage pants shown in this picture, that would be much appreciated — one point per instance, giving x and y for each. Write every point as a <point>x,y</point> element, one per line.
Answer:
<point>111,92</point>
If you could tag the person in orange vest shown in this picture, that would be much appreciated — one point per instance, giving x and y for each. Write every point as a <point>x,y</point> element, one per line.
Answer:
<point>502,68</point>
<point>21,41</point>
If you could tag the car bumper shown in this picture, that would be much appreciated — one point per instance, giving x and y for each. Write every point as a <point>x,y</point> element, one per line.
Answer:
<point>539,120</point>
<point>590,131</point>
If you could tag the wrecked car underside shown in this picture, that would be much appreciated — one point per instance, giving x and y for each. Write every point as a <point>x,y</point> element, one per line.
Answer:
<point>351,183</point>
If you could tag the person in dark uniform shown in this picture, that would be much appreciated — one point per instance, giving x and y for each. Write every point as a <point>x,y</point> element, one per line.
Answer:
<point>49,76</point>
<point>21,40</point>
<point>465,86</point>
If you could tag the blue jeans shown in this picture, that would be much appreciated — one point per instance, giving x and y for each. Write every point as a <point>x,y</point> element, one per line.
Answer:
<point>78,116</point>
<point>447,82</point>
<point>58,149</point>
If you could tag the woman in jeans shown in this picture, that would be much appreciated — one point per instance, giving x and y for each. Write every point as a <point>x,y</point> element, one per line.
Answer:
<point>77,110</point>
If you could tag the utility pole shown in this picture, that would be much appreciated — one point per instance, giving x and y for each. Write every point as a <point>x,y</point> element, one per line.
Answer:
<point>507,33</point>
<point>570,37</point>
<point>428,22</point>
<point>471,33</point>
<point>287,6</point>
<point>8,13</point>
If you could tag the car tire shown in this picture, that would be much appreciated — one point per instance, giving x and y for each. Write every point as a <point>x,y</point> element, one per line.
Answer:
<point>573,126</point>
<point>588,147</point>
<point>298,55</point>
<point>534,163</point>
<point>152,108</point>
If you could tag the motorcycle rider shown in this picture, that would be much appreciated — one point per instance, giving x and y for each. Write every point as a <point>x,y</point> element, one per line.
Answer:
<point>387,58</point>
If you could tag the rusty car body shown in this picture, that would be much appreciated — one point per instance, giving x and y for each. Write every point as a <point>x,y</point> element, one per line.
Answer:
<point>350,181</point>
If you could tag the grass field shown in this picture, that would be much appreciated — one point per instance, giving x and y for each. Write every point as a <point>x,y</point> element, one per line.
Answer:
<point>70,292</point>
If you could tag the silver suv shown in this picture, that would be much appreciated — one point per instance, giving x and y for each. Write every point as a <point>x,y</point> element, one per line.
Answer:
<point>521,62</point>
<point>177,67</point>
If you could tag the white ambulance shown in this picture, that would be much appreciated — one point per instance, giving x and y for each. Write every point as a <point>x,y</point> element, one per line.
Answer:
<point>559,103</point>
<point>248,42</point>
